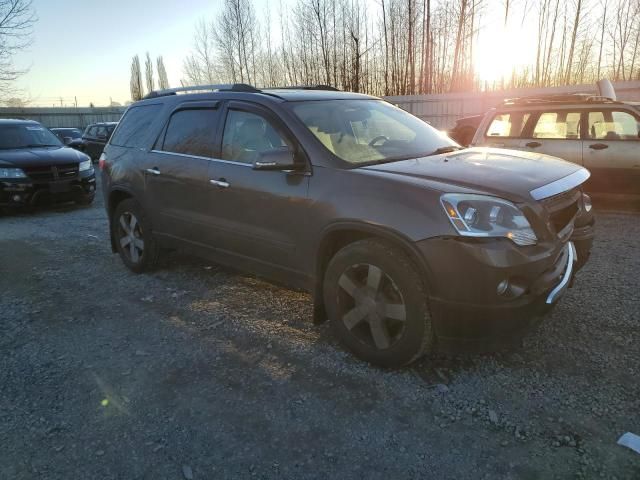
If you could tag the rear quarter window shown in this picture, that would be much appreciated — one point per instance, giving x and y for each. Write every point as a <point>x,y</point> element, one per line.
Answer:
<point>135,124</point>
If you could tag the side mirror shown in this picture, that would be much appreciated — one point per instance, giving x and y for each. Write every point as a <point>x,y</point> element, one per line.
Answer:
<point>67,140</point>
<point>277,159</point>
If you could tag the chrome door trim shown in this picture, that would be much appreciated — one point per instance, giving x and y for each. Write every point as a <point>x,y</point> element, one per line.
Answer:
<point>562,185</point>
<point>231,162</point>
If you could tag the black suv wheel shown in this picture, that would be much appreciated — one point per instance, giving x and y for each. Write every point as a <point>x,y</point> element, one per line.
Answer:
<point>377,303</point>
<point>134,240</point>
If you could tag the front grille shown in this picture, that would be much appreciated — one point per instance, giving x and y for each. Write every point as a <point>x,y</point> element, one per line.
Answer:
<point>52,173</point>
<point>563,209</point>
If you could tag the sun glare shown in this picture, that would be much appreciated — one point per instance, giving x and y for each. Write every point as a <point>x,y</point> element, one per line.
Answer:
<point>499,52</point>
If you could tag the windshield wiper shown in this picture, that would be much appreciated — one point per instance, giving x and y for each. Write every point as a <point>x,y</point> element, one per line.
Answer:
<point>447,149</point>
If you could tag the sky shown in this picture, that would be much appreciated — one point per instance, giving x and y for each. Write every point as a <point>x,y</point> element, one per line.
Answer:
<point>84,48</point>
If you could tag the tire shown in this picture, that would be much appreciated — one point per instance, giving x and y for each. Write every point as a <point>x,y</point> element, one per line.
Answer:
<point>129,222</point>
<point>369,320</point>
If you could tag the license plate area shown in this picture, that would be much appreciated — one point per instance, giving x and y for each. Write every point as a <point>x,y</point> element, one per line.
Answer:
<point>59,187</point>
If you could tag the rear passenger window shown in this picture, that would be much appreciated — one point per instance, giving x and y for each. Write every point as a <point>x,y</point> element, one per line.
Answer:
<point>134,125</point>
<point>508,124</point>
<point>562,125</point>
<point>192,132</point>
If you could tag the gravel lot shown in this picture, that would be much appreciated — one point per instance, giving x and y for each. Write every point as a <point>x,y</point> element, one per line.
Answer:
<point>199,372</point>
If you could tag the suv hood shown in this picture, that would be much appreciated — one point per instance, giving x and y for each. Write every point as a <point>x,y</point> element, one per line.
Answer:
<point>34,157</point>
<point>510,174</point>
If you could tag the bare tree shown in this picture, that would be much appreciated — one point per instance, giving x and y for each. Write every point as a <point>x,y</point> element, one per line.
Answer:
<point>16,27</point>
<point>148,73</point>
<point>136,85</point>
<point>163,80</point>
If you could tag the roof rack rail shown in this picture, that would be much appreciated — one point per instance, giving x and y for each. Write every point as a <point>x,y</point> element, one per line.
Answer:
<point>233,87</point>
<point>307,87</point>
<point>558,98</point>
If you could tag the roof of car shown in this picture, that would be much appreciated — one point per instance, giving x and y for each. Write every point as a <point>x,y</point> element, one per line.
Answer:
<point>296,95</point>
<point>282,94</point>
<point>565,100</point>
<point>102,123</point>
<point>17,121</point>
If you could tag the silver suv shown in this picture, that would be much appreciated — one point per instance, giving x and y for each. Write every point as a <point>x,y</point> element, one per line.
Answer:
<point>600,134</point>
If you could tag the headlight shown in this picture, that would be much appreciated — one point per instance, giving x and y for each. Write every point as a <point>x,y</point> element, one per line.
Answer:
<point>484,216</point>
<point>12,173</point>
<point>86,165</point>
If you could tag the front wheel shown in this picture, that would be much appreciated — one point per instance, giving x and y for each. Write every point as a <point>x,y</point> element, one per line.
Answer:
<point>134,240</point>
<point>377,303</point>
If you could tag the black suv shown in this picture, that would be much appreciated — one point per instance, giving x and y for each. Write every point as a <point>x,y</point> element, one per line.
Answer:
<point>403,237</point>
<point>96,136</point>
<point>36,167</point>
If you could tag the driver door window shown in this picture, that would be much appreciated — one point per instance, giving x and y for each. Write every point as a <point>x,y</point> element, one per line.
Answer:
<point>247,135</point>
<point>558,125</point>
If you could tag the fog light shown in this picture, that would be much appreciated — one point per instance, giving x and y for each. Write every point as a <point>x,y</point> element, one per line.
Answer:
<point>16,198</point>
<point>91,188</point>
<point>586,200</point>
<point>503,286</point>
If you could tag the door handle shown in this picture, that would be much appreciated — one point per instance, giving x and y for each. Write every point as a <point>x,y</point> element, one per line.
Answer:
<point>598,146</point>
<point>153,171</point>
<point>533,144</point>
<point>222,183</point>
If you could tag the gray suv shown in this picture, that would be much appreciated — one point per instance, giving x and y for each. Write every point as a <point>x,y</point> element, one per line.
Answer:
<point>601,134</point>
<point>404,238</point>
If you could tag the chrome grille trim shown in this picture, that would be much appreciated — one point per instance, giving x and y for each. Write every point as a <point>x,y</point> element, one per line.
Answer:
<point>562,185</point>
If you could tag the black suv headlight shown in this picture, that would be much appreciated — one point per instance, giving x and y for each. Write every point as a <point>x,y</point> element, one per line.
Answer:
<point>484,216</point>
<point>12,173</point>
<point>85,166</point>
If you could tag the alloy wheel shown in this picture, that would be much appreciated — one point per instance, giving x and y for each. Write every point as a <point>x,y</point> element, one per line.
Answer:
<point>130,237</point>
<point>371,306</point>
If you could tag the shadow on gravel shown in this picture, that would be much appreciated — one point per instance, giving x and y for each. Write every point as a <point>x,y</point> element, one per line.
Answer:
<point>25,212</point>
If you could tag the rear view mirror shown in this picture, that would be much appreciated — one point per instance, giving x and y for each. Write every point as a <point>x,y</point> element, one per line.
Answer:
<point>277,159</point>
<point>67,140</point>
<point>102,136</point>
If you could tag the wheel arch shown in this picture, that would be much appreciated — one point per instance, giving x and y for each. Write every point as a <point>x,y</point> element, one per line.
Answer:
<point>339,235</point>
<point>116,196</point>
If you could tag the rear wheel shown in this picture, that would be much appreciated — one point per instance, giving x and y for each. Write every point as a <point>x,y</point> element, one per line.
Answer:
<point>134,240</point>
<point>377,303</point>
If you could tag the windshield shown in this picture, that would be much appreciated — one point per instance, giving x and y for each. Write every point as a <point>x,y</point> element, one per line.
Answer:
<point>370,131</point>
<point>67,132</point>
<point>26,136</point>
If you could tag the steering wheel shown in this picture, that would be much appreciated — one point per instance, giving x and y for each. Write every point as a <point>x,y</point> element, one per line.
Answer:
<point>377,139</point>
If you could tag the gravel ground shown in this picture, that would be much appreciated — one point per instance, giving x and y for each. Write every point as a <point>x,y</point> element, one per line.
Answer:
<point>199,372</point>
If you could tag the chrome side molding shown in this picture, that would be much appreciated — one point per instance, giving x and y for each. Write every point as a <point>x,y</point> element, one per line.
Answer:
<point>562,185</point>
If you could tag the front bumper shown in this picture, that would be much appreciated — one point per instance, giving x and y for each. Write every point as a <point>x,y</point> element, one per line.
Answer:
<point>28,192</point>
<point>468,298</point>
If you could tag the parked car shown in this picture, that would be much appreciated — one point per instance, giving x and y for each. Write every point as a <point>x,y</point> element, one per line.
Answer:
<point>36,167</point>
<point>71,137</point>
<point>402,237</point>
<point>600,134</point>
<point>465,129</point>
<point>96,136</point>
